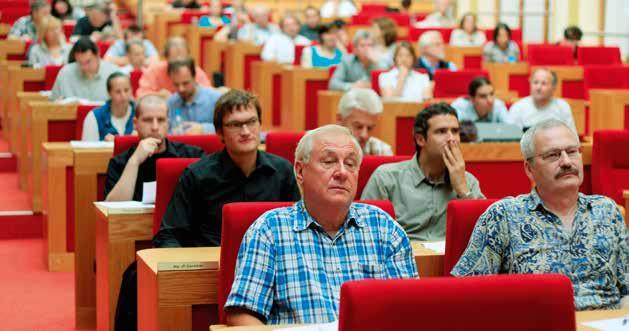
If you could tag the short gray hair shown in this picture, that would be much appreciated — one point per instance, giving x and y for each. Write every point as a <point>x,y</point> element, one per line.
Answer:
<point>364,99</point>
<point>527,143</point>
<point>174,42</point>
<point>553,75</point>
<point>360,35</point>
<point>428,38</point>
<point>306,143</point>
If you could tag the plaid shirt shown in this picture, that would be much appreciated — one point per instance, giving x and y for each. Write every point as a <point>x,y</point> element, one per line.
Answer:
<point>24,27</point>
<point>290,270</point>
<point>519,235</point>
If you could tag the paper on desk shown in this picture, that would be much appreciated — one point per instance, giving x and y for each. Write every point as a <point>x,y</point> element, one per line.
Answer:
<point>333,326</point>
<point>45,93</point>
<point>91,144</point>
<point>613,324</point>
<point>148,192</point>
<point>126,207</point>
<point>437,246</point>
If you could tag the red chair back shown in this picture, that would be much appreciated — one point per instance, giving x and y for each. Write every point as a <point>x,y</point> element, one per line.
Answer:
<point>190,15</point>
<point>68,28</point>
<point>135,79</point>
<point>598,55</point>
<point>544,55</point>
<point>376,8</point>
<point>167,173</point>
<point>283,144</point>
<point>12,10</point>
<point>610,169</point>
<point>602,76</point>
<point>375,75</point>
<point>210,143</point>
<point>237,217</point>
<point>51,75</point>
<point>458,304</point>
<point>452,84</point>
<point>370,164</point>
<point>461,218</point>
<point>81,113</point>
<point>103,46</point>
<point>299,49</point>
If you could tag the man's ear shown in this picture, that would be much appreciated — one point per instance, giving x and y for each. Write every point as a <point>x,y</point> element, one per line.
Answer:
<point>528,169</point>
<point>219,133</point>
<point>299,169</point>
<point>420,139</point>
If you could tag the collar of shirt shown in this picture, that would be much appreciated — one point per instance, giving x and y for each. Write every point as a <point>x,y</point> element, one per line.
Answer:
<point>98,73</point>
<point>303,219</point>
<point>195,98</point>
<point>229,168</point>
<point>418,174</point>
<point>535,201</point>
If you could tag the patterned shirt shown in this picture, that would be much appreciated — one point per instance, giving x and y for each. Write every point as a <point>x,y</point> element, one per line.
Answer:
<point>375,146</point>
<point>519,235</point>
<point>290,270</point>
<point>24,27</point>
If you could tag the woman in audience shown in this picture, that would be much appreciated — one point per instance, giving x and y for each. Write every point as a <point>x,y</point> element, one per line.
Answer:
<point>468,34</point>
<point>186,4</point>
<point>51,48</point>
<point>481,105</point>
<point>63,10</point>
<point>402,82</point>
<point>384,34</point>
<point>215,19</point>
<point>116,116</point>
<point>326,54</point>
<point>502,49</point>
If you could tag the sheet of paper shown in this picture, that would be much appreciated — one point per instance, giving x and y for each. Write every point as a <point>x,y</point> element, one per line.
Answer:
<point>613,324</point>
<point>437,246</point>
<point>91,144</point>
<point>45,93</point>
<point>126,207</point>
<point>333,326</point>
<point>148,192</point>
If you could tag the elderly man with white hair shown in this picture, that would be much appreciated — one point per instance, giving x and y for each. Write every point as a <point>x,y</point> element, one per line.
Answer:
<point>555,229</point>
<point>261,29</point>
<point>358,111</point>
<point>433,53</point>
<point>293,261</point>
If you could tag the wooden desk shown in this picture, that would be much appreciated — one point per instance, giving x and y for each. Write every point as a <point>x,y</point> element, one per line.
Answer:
<point>198,38</point>
<point>116,237</point>
<point>5,95</point>
<point>17,77</point>
<point>457,55</point>
<point>607,109</point>
<point>262,76</point>
<point>11,47</point>
<point>235,63</point>
<point>327,104</point>
<point>499,73</point>
<point>294,103</point>
<point>578,114</point>
<point>23,134</point>
<point>158,32</point>
<point>212,58</point>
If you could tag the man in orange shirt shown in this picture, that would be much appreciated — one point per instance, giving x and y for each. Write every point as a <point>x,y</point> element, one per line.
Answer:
<point>156,80</point>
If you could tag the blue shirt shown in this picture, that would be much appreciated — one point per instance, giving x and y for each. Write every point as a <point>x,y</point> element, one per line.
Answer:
<point>319,61</point>
<point>465,111</point>
<point>200,109</point>
<point>519,235</point>
<point>289,270</point>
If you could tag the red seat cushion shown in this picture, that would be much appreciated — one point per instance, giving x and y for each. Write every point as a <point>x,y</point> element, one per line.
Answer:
<point>610,168</point>
<point>602,76</point>
<point>135,79</point>
<point>167,176</point>
<point>283,144</point>
<point>210,143</point>
<point>601,55</point>
<point>545,54</point>
<point>453,84</point>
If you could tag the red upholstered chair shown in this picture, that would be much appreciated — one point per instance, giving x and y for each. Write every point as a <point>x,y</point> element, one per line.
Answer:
<point>490,303</point>
<point>103,46</point>
<point>375,75</point>
<point>51,75</point>
<point>68,28</point>
<point>460,221</point>
<point>283,144</point>
<point>135,80</point>
<point>377,8</point>
<point>237,217</point>
<point>81,113</point>
<point>210,143</point>
<point>370,164</point>
<point>452,84</point>
<point>167,176</point>
<point>299,49</point>
<point>610,164</point>
<point>544,55</point>
<point>598,55</point>
<point>603,77</point>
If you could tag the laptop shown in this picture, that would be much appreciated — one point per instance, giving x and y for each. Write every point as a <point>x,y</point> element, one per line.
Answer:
<point>498,132</point>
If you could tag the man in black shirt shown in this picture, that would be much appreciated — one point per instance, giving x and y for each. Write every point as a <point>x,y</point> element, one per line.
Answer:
<point>100,22</point>
<point>238,173</point>
<point>128,171</point>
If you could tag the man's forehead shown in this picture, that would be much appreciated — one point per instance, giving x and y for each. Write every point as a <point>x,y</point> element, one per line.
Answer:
<point>443,120</point>
<point>335,143</point>
<point>555,137</point>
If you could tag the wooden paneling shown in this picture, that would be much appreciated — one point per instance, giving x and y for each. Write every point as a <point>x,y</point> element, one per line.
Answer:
<point>607,109</point>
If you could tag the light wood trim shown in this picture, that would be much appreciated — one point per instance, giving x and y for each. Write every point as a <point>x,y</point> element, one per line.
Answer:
<point>262,85</point>
<point>578,114</point>
<point>24,130</point>
<point>293,108</point>
<point>607,109</point>
<point>595,315</point>
<point>160,27</point>
<point>212,58</point>
<point>17,77</point>
<point>197,39</point>
<point>11,47</point>
<point>499,73</point>
<point>327,106</point>
<point>235,63</point>
<point>457,55</point>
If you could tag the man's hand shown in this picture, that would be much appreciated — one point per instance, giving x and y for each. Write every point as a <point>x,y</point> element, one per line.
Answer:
<point>146,148</point>
<point>453,158</point>
<point>109,137</point>
<point>192,128</point>
<point>361,84</point>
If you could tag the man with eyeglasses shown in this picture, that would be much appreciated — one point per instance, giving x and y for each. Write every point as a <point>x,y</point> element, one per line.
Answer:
<point>555,229</point>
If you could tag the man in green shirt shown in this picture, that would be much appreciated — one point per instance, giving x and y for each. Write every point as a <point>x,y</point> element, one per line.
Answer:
<point>420,188</point>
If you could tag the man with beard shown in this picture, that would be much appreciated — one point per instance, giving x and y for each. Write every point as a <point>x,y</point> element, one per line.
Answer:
<point>555,229</point>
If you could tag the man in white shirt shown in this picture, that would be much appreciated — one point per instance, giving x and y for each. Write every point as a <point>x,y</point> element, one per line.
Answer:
<point>281,46</point>
<point>541,104</point>
<point>261,29</point>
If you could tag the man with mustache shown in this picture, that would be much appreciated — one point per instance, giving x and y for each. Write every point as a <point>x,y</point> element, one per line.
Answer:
<point>555,229</point>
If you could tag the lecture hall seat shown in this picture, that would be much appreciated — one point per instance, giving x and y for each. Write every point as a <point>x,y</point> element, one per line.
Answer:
<point>610,166</point>
<point>81,113</point>
<point>602,77</point>
<point>541,302</point>
<point>460,221</point>
<point>283,144</point>
<point>598,55</point>
<point>547,55</point>
<point>454,84</point>
<point>210,143</point>
<point>370,163</point>
<point>50,76</point>
<point>237,217</point>
<point>167,173</point>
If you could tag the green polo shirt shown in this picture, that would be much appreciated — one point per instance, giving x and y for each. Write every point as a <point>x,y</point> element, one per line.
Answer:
<point>71,82</point>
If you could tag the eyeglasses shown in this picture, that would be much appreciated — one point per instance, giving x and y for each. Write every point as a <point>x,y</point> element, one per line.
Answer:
<point>237,125</point>
<point>554,155</point>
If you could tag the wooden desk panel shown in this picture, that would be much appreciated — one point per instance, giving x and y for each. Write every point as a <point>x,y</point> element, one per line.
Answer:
<point>499,73</point>
<point>607,109</point>
<point>235,63</point>
<point>17,77</point>
<point>198,38</point>
<point>327,105</point>
<point>293,105</point>
<point>212,56</point>
<point>457,55</point>
<point>24,134</point>
<point>578,114</point>
<point>5,95</point>
<point>11,47</point>
<point>262,74</point>
<point>160,31</point>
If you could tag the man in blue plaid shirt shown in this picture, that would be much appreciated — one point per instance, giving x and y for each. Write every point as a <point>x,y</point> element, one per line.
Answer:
<point>292,261</point>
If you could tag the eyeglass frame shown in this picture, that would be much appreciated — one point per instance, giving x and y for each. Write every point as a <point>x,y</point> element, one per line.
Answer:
<point>235,126</point>
<point>548,157</point>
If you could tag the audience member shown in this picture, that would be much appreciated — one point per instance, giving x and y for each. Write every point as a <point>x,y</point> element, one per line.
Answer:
<point>86,77</point>
<point>116,116</point>
<point>51,47</point>
<point>342,35</point>
<point>280,47</point>
<point>384,35</point>
<point>358,110</point>
<point>156,80</point>
<point>555,229</point>
<point>402,82</point>
<point>572,37</point>
<point>186,4</point>
<point>421,187</point>
<point>338,9</point>
<point>283,267</point>
<point>502,49</point>
<point>326,53</point>
<point>541,104</point>
<point>63,10</point>
<point>481,105</point>
<point>261,29</point>
<point>433,53</point>
<point>117,52</point>
<point>191,108</point>
<point>441,18</point>
<point>468,34</point>
<point>25,27</point>
<point>312,20</point>
<point>215,19</point>
<point>100,22</point>
<point>136,57</point>
<point>355,69</point>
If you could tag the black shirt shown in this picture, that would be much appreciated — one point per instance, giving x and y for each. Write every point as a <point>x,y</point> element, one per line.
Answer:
<point>180,4</point>
<point>310,33</point>
<point>83,27</point>
<point>146,171</point>
<point>193,217</point>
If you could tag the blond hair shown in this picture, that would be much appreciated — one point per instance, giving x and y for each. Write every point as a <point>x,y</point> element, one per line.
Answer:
<point>47,23</point>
